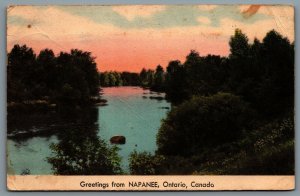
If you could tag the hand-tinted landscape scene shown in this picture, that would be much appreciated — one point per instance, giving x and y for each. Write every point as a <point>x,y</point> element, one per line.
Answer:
<point>150,90</point>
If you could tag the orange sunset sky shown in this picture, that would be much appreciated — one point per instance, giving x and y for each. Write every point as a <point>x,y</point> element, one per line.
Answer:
<point>128,38</point>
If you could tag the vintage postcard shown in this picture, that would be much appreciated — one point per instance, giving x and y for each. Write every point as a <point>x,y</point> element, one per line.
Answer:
<point>150,97</point>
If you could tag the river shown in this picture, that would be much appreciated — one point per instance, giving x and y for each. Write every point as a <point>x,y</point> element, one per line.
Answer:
<point>133,112</point>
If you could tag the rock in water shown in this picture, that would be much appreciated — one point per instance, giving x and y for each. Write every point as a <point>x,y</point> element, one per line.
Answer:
<point>118,139</point>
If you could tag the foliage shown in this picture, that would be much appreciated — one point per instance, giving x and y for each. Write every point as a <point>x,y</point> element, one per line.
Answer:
<point>201,123</point>
<point>81,152</point>
<point>159,79</point>
<point>113,78</point>
<point>146,78</point>
<point>175,82</point>
<point>145,164</point>
<point>93,158</point>
<point>49,77</point>
<point>20,71</point>
<point>130,79</point>
<point>262,73</point>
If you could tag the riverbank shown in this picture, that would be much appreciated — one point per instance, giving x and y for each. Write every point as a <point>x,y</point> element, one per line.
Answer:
<point>44,104</point>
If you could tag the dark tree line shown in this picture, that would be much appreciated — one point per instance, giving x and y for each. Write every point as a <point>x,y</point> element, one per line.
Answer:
<point>262,73</point>
<point>148,78</point>
<point>230,115</point>
<point>113,78</point>
<point>68,78</point>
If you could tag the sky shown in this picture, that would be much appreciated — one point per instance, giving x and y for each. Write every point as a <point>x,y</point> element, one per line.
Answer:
<point>129,38</point>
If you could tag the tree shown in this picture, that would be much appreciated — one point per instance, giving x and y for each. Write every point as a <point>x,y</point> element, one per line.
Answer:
<point>112,79</point>
<point>204,75</point>
<point>143,77</point>
<point>159,79</point>
<point>78,70</point>
<point>46,73</point>
<point>104,79</point>
<point>175,85</point>
<point>130,79</point>
<point>203,123</point>
<point>80,151</point>
<point>150,77</point>
<point>74,76</point>
<point>276,91</point>
<point>193,66</point>
<point>192,59</point>
<point>239,46</point>
<point>240,79</point>
<point>21,61</point>
<point>20,73</point>
<point>85,62</point>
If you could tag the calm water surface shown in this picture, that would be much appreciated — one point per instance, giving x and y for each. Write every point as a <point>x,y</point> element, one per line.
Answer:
<point>131,111</point>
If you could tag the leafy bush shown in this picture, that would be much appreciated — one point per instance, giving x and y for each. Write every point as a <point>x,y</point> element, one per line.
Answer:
<point>145,164</point>
<point>90,156</point>
<point>202,123</point>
